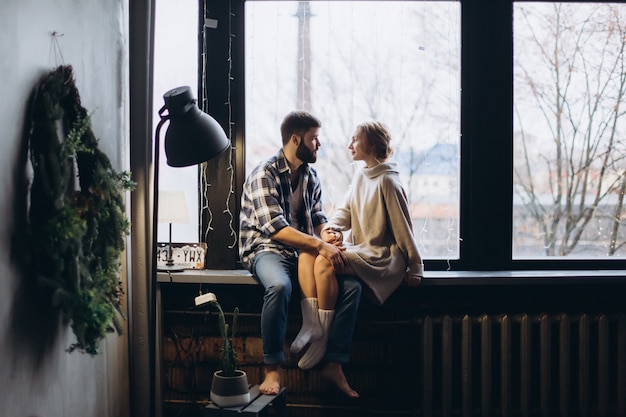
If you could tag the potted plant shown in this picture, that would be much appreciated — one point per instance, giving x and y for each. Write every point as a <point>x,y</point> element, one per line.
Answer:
<point>229,387</point>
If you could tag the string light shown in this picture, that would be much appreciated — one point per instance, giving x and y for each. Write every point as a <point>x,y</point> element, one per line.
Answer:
<point>204,180</point>
<point>230,126</point>
<point>205,199</point>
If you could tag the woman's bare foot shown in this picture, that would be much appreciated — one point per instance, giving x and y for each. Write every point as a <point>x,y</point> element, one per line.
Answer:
<point>271,383</point>
<point>333,373</point>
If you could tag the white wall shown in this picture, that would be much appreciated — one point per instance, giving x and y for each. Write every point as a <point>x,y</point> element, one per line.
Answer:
<point>94,42</point>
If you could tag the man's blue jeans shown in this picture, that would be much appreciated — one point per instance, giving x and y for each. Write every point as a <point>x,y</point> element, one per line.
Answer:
<point>275,274</point>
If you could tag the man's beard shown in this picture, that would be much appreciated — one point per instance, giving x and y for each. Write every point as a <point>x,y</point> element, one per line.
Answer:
<point>304,154</point>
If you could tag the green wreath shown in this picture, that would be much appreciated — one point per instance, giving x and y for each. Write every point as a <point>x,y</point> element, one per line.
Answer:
<point>76,230</point>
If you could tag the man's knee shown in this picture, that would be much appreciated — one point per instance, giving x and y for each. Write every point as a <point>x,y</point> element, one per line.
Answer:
<point>351,287</point>
<point>279,290</point>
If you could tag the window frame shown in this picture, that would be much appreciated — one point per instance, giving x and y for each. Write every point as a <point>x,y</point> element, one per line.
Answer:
<point>486,162</point>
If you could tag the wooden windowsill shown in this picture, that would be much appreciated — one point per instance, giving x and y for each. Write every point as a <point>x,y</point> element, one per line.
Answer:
<point>432,278</point>
<point>208,276</point>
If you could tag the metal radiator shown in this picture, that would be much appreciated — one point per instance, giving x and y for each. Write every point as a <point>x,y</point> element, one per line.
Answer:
<point>524,365</point>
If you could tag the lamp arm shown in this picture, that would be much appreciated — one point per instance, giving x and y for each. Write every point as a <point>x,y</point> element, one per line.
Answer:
<point>155,193</point>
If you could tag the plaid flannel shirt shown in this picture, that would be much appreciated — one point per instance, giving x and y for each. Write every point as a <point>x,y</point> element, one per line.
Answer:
<point>265,207</point>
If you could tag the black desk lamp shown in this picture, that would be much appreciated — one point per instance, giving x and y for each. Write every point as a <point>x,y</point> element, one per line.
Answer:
<point>192,137</point>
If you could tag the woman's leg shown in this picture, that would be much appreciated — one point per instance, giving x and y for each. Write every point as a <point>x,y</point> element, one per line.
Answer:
<point>341,332</point>
<point>326,283</point>
<point>327,290</point>
<point>346,311</point>
<point>306,279</point>
<point>333,373</point>
<point>311,329</point>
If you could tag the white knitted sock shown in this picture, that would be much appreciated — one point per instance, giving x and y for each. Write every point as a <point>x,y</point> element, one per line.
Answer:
<point>311,329</point>
<point>317,349</point>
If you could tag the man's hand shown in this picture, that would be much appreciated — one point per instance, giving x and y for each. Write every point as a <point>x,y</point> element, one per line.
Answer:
<point>296,239</point>
<point>335,255</point>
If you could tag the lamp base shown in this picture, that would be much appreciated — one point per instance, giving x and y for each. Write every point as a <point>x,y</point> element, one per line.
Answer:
<point>170,268</point>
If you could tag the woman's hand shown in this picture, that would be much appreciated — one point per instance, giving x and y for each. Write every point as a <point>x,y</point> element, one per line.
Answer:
<point>334,237</point>
<point>413,280</point>
<point>414,275</point>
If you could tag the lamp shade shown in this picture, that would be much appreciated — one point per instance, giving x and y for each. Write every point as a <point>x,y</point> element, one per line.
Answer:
<point>173,207</point>
<point>192,136</point>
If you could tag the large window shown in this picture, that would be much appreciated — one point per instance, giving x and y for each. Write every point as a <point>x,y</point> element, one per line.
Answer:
<point>507,117</point>
<point>394,61</point>
<point>570,130</point>
<point>175,65</point>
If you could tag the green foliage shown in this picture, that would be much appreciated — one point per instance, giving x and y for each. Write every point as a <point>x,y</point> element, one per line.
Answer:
<point>229,356</point>
<point>76,231</point>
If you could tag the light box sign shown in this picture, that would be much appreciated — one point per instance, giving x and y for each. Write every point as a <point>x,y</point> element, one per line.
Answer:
<point>184,255</point>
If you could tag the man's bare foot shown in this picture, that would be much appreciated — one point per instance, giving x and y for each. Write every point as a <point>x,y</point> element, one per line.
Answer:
<point>333,373</point>
<point>271,383</point>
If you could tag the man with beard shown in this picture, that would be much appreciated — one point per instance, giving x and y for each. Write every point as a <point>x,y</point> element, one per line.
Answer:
<point>282,215</point>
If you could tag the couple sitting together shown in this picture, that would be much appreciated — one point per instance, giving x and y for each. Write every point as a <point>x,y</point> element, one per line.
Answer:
<point>284,233</point>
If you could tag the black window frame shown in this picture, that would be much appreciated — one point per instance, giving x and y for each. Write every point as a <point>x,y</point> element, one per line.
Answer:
<point>486,167</point>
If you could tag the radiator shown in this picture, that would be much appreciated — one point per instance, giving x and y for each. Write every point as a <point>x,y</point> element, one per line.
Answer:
<point>524,365</point>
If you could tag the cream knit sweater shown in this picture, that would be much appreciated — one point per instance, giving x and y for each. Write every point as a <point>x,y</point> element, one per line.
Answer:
<point>380,246</point>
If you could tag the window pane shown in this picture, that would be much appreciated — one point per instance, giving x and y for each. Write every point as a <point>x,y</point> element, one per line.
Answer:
<point>569,130</point>
<point>349,62</point>
<point>175,65</point>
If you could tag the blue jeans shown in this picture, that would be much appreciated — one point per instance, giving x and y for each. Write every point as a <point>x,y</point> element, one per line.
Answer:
<point>275,274</point>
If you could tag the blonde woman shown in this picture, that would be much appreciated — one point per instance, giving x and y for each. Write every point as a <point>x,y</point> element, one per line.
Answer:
<point>380,248</point>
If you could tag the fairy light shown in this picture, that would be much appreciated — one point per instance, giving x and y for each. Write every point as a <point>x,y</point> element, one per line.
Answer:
<point>204,181</point>
<point>229,106</point>
<point>424,231</point>
<point>205,184</point>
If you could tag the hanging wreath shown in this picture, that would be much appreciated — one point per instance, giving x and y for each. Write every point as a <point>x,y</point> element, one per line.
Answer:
<point>76,230</point>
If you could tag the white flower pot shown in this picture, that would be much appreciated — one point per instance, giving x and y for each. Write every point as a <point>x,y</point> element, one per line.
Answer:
<point>230,391</point>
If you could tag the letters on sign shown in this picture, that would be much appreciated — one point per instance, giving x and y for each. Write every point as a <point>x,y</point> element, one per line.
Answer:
<point>184,255</point>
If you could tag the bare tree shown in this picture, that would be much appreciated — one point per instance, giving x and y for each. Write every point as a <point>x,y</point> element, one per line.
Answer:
<point>406,87</point>
<point>570,86</point>
<point>397,63</point>
<point>614,245</point>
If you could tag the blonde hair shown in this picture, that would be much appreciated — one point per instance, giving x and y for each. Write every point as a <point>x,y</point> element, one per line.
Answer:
<point>378,138</point>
